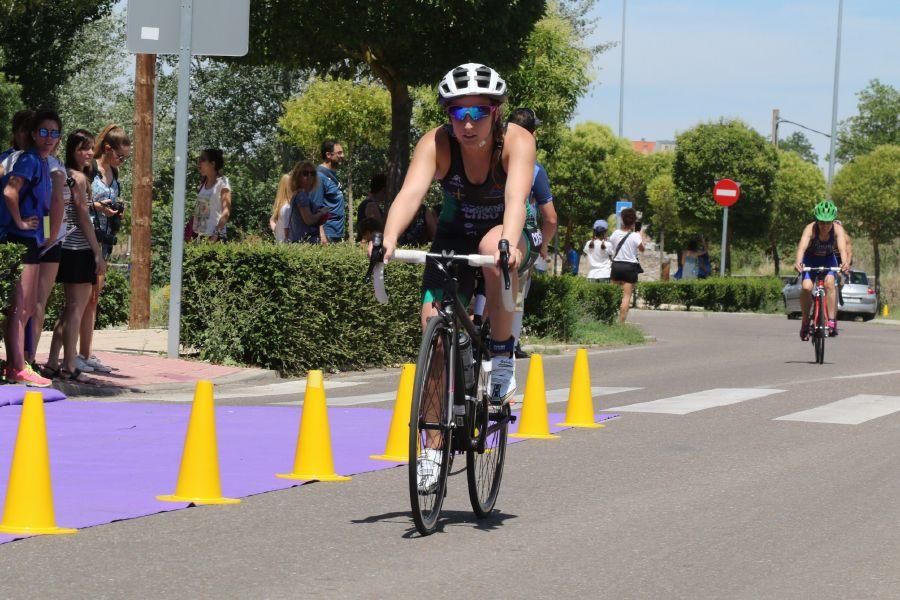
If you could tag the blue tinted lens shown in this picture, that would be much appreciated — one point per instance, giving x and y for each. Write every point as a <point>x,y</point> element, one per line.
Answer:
<point>54,133</point>
<point>476,113</point>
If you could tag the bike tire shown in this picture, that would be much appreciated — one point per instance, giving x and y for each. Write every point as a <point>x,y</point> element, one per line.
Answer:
<point>433,402</point>
<point>821,331</point>
<point>484,471</point>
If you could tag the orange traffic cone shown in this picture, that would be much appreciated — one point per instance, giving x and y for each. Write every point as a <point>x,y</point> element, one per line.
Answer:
<point>580,409</point>
<point>397,447</point>
<point>198,478</point>
<point>313,461</point>
<point>534,423</point>
<point>29,493</point>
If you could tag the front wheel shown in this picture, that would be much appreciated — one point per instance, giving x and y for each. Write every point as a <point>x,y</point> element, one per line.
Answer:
<point>488,428</point>
<point>430,435</point>
<point>820,331</point>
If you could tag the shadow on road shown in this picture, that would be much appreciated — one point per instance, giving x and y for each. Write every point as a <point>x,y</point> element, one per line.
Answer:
<point>452,518</point>
<point>805,362</point>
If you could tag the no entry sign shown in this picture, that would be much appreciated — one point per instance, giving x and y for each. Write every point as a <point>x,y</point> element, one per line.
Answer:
<point>726,192</point>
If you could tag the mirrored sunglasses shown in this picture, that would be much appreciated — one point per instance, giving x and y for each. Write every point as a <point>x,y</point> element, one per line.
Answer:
<point>44,132</point>
<point>476,113</point>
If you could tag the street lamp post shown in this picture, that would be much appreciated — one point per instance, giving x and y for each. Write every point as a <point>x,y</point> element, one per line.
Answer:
<point>834,100</point>
<point>622,73</point>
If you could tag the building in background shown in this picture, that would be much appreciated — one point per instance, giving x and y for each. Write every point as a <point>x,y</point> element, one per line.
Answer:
<point>644,147</point>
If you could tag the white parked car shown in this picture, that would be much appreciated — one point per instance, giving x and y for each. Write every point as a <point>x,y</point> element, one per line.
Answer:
<point>859,298</point>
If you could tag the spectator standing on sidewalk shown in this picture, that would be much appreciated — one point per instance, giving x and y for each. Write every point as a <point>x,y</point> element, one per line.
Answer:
<point>21,140</point>
<point>26,194</point>
<point>307,219</point>
<point>626,243</point>
<point>112,149</point>
<point>330,190</point>
<point>213,207</point>
<point>279,221</point>
<point>371,210</point>
<point>599,254</point>
<point>81,260</point>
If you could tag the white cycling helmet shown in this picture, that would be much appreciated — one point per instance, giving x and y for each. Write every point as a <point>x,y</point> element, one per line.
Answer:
<point>471,79</point>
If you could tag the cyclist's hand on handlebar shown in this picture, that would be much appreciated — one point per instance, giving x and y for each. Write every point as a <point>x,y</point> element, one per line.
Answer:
<point>845,267</point>
<point>513,260</point>
<point>798,267</point>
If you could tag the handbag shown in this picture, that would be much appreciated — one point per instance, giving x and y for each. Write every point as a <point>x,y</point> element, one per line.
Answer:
<point>639,268</point>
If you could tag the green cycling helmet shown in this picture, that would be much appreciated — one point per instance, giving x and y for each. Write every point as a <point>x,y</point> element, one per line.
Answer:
<point>825,211</point>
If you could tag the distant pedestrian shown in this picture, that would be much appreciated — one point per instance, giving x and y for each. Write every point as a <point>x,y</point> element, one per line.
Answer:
<point>627,243</point>
<point>279,221</point>
<point>213,207</point>
<point>422,229</point>
<point>306,223</point>
<point>599,254</point>
<point>372,208</point>
<point>330,191</point>
<point>573,259</point>
<point>690,261</point>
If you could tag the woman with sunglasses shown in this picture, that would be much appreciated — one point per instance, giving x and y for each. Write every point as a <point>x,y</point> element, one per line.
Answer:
<point>307,217</point>
<point>111,150</point>
<point>27,197</point>
<point>485,171</point>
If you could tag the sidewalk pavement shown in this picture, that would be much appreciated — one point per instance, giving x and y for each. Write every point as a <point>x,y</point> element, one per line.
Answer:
<point>139,362</point>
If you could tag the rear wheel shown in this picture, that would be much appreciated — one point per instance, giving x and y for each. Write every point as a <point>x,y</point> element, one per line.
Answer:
<point>488,425</point>
<point>429,432</point>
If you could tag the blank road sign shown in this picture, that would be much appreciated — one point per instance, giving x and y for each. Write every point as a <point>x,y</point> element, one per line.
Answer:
<point>220,27</point>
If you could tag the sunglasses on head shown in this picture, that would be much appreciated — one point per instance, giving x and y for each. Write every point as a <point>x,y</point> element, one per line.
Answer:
<point>476,113</point>
<point>44,132</point>
<point>121,157</point>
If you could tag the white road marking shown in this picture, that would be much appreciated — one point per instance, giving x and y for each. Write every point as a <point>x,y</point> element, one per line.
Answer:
<point>688,403</point>
<point>862,375</point>
<point>562,395</point>
<point>849,411</point>
<point>347,400</point>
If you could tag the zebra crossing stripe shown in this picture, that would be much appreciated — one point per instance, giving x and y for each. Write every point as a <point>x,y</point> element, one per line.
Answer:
<point>849,411</point>
<point>688,403</point>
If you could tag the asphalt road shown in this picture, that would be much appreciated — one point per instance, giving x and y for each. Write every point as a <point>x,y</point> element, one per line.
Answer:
<point>707,494</point>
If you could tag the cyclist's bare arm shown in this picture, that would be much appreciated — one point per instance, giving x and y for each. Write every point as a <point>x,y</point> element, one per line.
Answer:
<point>418,180</point>
<point>519,150</point>
<point>549,220</point>
<point>844,247</point>
<point>803,245</point>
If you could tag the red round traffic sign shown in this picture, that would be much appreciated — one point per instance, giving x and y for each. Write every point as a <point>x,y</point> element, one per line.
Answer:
<point>726,192</point>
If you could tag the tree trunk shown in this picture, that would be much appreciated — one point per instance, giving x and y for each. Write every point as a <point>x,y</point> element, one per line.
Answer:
<point>876,250</point>
<point>662,249</point>
<point>398,151</point>
<point>142,197</point>
<point>350,213</point>
<point>775,258</point>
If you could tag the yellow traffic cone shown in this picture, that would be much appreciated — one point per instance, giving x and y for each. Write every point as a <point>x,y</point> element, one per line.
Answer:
<point>397,447</point>
<point>534,423</point>
<point>313,461</point>
<point>580,409</point>
<point>198,478</point>
<point>29,494</point>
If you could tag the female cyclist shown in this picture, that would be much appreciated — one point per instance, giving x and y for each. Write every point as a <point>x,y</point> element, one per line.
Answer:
<point>485,171</point>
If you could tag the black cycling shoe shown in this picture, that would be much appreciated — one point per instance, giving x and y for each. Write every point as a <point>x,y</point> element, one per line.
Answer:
<point>519,353</point>
<point>804,332</point>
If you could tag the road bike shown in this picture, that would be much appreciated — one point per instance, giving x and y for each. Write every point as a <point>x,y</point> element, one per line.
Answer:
<point>452,411</point>
<point>818,325</point>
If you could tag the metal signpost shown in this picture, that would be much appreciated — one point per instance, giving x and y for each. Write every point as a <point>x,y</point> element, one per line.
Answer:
<point>726,192</point>
<point>169,27</point>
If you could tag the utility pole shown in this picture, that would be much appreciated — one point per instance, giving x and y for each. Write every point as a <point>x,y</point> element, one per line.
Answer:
<point>834,100</point>
<point>622,74</point>
<point>142,205</point>
<point>775,116</point>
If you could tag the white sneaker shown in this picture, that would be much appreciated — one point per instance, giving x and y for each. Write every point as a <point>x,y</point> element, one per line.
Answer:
<point>428,471</point>
<point>98,366</point>
<point>503,379</point>
<point>82,365</point>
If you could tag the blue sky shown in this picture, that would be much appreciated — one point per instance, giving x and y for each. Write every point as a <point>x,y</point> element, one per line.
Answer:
<point>690,61</point>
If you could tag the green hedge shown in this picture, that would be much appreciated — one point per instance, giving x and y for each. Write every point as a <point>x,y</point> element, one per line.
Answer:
<point>555,304</point>
<point>725,294</point>
<point>10,267</point>
<point>295,307</point>
<point>113,307</point>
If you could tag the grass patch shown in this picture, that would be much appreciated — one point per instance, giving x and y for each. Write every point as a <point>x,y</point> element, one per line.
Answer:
<point>589,331</point>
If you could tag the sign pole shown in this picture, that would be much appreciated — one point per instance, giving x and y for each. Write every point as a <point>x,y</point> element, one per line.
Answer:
<point>724,242</point>
<point>181,139</point>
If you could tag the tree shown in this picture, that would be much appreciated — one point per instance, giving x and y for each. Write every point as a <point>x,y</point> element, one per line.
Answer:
<point>403,43</point>
<point>39,39</point>
<point>662,199</point>
<point>10,103</point>
<point>799,185</point>
<point>867,190</point>
<point>799,144</point>
<point>583,182</point>
<point>877,123</point>
<point>725,149</point>
<point>355,114</point>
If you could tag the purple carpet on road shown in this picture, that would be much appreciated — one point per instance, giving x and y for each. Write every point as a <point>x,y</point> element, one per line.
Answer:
<point>110,460</point>
<point>15,394</point>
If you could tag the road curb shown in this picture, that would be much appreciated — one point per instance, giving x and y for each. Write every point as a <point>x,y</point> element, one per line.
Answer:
<point>244,376</point>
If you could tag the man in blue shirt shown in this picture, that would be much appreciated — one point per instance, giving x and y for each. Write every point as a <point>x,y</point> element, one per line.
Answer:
<point>329,193</point>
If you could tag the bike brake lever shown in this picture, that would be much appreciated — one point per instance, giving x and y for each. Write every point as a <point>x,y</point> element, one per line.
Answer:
<point>377,255</point>
<point>503,247</point>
